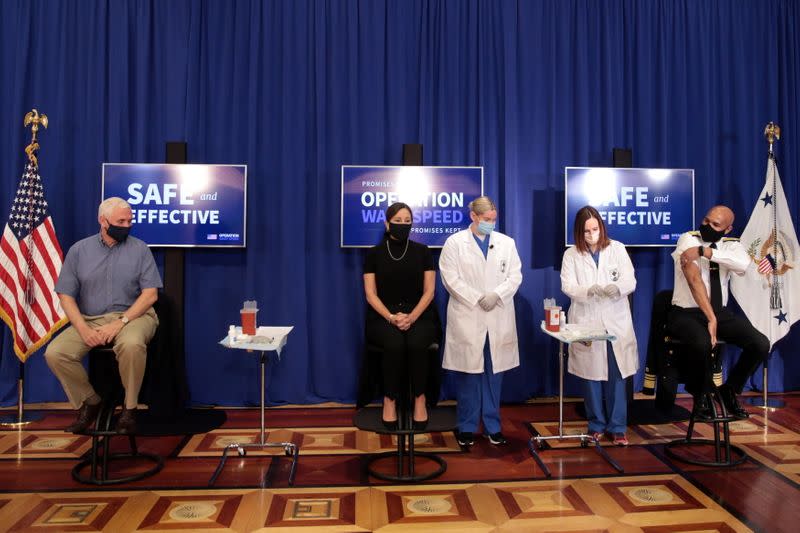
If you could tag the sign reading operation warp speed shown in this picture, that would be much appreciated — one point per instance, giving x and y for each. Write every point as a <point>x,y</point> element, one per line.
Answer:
<point>438,196</point>
<point>640,206</point>
<point>182,205</point>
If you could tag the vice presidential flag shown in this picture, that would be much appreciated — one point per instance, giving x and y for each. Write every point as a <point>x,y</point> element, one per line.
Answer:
<point>769,292</point>
<point>30,261</point>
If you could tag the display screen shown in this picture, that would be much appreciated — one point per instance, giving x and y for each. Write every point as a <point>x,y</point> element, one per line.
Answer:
<point>640,206</point>
<point>438,197</point>
<point>182,205</point>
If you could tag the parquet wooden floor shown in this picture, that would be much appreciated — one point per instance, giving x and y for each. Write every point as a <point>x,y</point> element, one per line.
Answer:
<point>486,488</point>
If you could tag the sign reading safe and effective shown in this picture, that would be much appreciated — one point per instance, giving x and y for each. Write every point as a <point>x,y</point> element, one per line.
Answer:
<point>182,205</point>
<point>640,206</point>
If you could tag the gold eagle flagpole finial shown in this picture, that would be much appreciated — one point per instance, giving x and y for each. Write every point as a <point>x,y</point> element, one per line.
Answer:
<point>34,119</point>
<point>772,132</point>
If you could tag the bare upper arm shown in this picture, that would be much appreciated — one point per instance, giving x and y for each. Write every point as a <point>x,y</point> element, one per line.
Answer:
<point>369,284</point>
<point>691,271</point>
<point>429,281</point>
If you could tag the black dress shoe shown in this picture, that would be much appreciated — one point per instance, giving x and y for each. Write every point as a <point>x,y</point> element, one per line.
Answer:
<point>390,425</point>
<point>735,409</point>
<point>419,425</point>
<point>86,416</point>
<point>702,409</point>
<point>126,423</point>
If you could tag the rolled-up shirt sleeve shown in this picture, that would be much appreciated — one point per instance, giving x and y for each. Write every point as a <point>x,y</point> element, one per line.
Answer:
<point>686,241</point>
<point>733,256</point>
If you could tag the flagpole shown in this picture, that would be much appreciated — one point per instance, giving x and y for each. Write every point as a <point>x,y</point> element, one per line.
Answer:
<point>34,119</point>
<point>772,132</point>
<point>23,418</point>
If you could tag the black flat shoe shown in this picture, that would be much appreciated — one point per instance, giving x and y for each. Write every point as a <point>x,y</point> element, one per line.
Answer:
<point>465,438</point>
<point>732,404</point>
<point>419,425</point>
<point>391,425</point>
<point>702,409</point>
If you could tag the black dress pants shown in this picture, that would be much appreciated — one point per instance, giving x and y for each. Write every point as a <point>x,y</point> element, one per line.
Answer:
<point>690,326</point>
<point>401,350</point>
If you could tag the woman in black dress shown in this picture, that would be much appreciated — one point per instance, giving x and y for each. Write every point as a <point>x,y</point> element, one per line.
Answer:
<point>399,282</point>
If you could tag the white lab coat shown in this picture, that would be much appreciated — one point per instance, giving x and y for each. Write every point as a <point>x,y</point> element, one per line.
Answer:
<point>578,274</point>
<point>467,276</point>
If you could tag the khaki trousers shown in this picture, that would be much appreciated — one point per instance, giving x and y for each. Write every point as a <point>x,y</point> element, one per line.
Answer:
<point>65,352</point>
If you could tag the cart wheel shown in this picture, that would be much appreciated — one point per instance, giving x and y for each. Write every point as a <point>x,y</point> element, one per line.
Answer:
<point>242,452</point>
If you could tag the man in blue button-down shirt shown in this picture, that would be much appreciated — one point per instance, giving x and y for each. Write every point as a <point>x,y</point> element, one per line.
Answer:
<point>107,287</point>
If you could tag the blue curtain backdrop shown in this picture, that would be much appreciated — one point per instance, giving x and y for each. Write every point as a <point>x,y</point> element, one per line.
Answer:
<point>296,88</point>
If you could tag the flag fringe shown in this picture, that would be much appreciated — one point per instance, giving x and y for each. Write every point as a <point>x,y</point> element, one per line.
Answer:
<point>23,356</point>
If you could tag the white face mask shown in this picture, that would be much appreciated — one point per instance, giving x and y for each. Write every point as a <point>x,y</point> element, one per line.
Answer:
<point>593,237</point>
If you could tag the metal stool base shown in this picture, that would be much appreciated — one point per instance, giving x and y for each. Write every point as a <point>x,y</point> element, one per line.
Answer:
<point>725,453</point>
<point>99,457</point>
<point>440,420</point>
<point>104,478</point>
<point>735,455</point>
<point>411,477</point>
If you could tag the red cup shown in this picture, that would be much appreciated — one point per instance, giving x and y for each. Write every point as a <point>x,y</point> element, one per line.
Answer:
<point>249,321</point>
<point>552,318</point>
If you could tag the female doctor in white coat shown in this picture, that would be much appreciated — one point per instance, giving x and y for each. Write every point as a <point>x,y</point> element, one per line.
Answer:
<point>598,276</point>
<point>481,270</point>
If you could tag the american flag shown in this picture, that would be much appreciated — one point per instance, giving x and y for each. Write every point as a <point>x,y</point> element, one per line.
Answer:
<point>766,264</point>
<point>30,261</point>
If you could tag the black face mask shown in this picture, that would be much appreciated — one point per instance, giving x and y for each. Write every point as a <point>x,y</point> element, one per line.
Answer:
<point>399,231</point>
<point>709,234</point>
<point>118,233</point>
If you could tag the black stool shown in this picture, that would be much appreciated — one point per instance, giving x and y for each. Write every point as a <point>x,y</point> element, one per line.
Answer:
<point>725,454</point>
<point>104,377</point>
<point>440,419</point>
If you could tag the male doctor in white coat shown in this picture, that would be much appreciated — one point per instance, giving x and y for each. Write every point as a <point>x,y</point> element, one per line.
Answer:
<point>481,270</point>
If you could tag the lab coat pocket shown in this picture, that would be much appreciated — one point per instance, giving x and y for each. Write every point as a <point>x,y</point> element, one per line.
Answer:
<point>612,273</point>
<point>581,348</point>
<point>461,324</point>
<point>503,267</point>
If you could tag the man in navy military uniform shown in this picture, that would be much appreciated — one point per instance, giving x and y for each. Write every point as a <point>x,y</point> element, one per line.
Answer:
<point>704,262</point>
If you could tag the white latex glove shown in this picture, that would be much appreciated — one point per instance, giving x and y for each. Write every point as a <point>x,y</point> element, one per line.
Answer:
<point>488,301</point>
<point>595,290</point>
<point>611,290</point>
